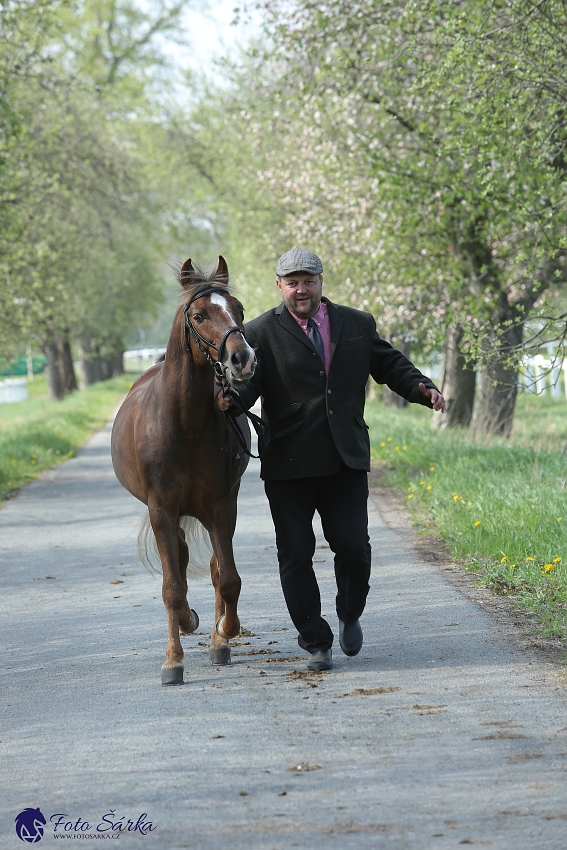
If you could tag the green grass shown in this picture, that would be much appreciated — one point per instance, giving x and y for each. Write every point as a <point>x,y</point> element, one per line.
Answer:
<point>38,433</point>
<point>500,506</point>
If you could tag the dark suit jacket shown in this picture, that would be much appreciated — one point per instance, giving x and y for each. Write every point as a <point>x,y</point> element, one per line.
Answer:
<point>316,421</point>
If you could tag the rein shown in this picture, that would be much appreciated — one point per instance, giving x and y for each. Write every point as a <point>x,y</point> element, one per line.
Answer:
<point>237,408</point>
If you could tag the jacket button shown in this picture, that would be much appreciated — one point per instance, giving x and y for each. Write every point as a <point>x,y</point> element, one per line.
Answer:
<point>330,411</point>
<point>322,374</point>
<point>329,391</point>
<point>314,355</point>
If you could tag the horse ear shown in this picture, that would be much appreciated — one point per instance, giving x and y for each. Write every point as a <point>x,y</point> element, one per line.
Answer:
<point>187,273</point>
<point>222,270</point>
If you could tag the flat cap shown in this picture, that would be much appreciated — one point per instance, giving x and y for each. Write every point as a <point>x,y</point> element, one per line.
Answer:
<point>298,260</point>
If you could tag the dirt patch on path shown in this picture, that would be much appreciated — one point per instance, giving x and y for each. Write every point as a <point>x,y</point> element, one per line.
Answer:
<point>514,623</point>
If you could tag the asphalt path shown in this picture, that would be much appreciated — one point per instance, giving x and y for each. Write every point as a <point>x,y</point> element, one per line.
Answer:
<point>437,735</point>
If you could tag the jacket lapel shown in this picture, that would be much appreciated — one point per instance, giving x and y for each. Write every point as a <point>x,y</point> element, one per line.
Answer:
<point>287,321</point>
<point>336,322</point>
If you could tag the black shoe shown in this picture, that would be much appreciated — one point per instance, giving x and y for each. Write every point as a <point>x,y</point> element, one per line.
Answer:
<point>321,660</point>
<point>350,637</point>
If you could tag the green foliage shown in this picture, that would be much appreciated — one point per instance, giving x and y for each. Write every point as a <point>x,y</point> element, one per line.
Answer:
<point>377,134</point>
<point>83,205</point>
<point>500,507</point>
<point>38,433</point>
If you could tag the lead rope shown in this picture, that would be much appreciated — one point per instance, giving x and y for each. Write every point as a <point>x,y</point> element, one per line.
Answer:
<point>232,414</point>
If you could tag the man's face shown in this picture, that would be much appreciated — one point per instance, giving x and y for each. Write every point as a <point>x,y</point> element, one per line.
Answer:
<point>301,293</point>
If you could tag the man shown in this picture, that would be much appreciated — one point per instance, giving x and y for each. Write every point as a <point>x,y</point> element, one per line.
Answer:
<point>314,359</point>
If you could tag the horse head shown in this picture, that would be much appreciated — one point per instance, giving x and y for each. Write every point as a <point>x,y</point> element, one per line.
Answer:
<point>214,319</point>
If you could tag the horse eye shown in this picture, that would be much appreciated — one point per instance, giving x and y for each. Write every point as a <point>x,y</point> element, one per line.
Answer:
<point>199,318</point>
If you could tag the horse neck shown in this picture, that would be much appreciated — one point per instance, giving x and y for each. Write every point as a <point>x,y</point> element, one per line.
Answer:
<point>187,385</point>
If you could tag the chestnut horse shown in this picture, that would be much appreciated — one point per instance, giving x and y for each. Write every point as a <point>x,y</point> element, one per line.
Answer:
<point>167,450</point>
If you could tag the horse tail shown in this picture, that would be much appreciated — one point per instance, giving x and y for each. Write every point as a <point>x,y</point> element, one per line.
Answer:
<point>198,542</point>
<point>200,549</point>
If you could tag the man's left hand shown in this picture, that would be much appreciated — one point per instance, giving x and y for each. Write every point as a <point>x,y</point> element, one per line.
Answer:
<point>436,399</point>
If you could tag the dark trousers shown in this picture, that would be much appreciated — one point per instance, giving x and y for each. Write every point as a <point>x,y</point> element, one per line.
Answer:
<point>341,501</point>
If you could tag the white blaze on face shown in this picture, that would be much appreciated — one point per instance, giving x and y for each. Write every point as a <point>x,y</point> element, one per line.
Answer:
<point>220,300</point>
<point>248,369</point>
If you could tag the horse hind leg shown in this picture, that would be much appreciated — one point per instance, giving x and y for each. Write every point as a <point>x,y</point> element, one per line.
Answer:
<point>219,649</point>
<point>188,618</point>
<point>173,590</point>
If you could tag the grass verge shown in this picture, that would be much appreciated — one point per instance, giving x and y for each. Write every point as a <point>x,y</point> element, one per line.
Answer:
<point>38,433</point>
<point>500,506</point>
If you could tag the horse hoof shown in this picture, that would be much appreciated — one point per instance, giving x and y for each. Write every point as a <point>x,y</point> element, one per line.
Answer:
<point>172,675</point>
<point>219,629</point>
<point>219,654</point>
<point>189,631</point>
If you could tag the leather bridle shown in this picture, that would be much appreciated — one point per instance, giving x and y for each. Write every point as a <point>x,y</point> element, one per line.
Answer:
<point>189,327</point>
<point>237,407</point>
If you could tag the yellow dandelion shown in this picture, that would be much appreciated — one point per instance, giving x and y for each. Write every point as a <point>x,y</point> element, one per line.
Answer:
<point>421,483</point>
<point>397,448</point>
<point>548,568</point>
<point>477,523</point>
<point>529,558</point>
<point>427,524</point>
<point>556,560</point>
<point>455,497</point>
<point>429,487</point>
<point>34,475</point>
<point>404,448</point>
<point>410,489</point>
<point>559,518</point>
<point>504,559</point>
<point>389,439</point>
<point>410,495</point>
<point>382,445</point>
<point>9,483</point>
<point>512,566</point>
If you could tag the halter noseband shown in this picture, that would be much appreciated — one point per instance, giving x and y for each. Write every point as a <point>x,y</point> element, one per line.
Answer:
<point>189,326</point>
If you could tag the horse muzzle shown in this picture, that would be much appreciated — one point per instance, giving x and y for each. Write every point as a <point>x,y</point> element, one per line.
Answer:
<point>240,364</point>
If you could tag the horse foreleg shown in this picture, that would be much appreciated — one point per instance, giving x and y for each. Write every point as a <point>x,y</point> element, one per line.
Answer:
<point>219,649</point>
<point>188,618</point>
<point>229,583</point>
<point>173,591</point>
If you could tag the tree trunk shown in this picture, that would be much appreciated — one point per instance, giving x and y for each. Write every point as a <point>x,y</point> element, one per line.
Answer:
<point>68,377</point>
<point>495,401</point>
<point>389,397</point>
<point>457,384</point>
<point>95,368</point>
<point>54,378</point>
<point>118,363</point>
<point>90,364</point>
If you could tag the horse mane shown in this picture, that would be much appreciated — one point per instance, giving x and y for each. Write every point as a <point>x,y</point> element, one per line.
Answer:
<point>199,280</point>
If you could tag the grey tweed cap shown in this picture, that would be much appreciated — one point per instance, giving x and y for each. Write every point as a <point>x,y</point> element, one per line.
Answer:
<point>298,260</point>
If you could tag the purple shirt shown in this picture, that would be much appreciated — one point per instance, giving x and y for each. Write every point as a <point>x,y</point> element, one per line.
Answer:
<point>321,319</point>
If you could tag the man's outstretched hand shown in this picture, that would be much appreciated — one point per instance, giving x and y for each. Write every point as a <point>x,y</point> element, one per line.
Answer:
<point>436,399</point>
